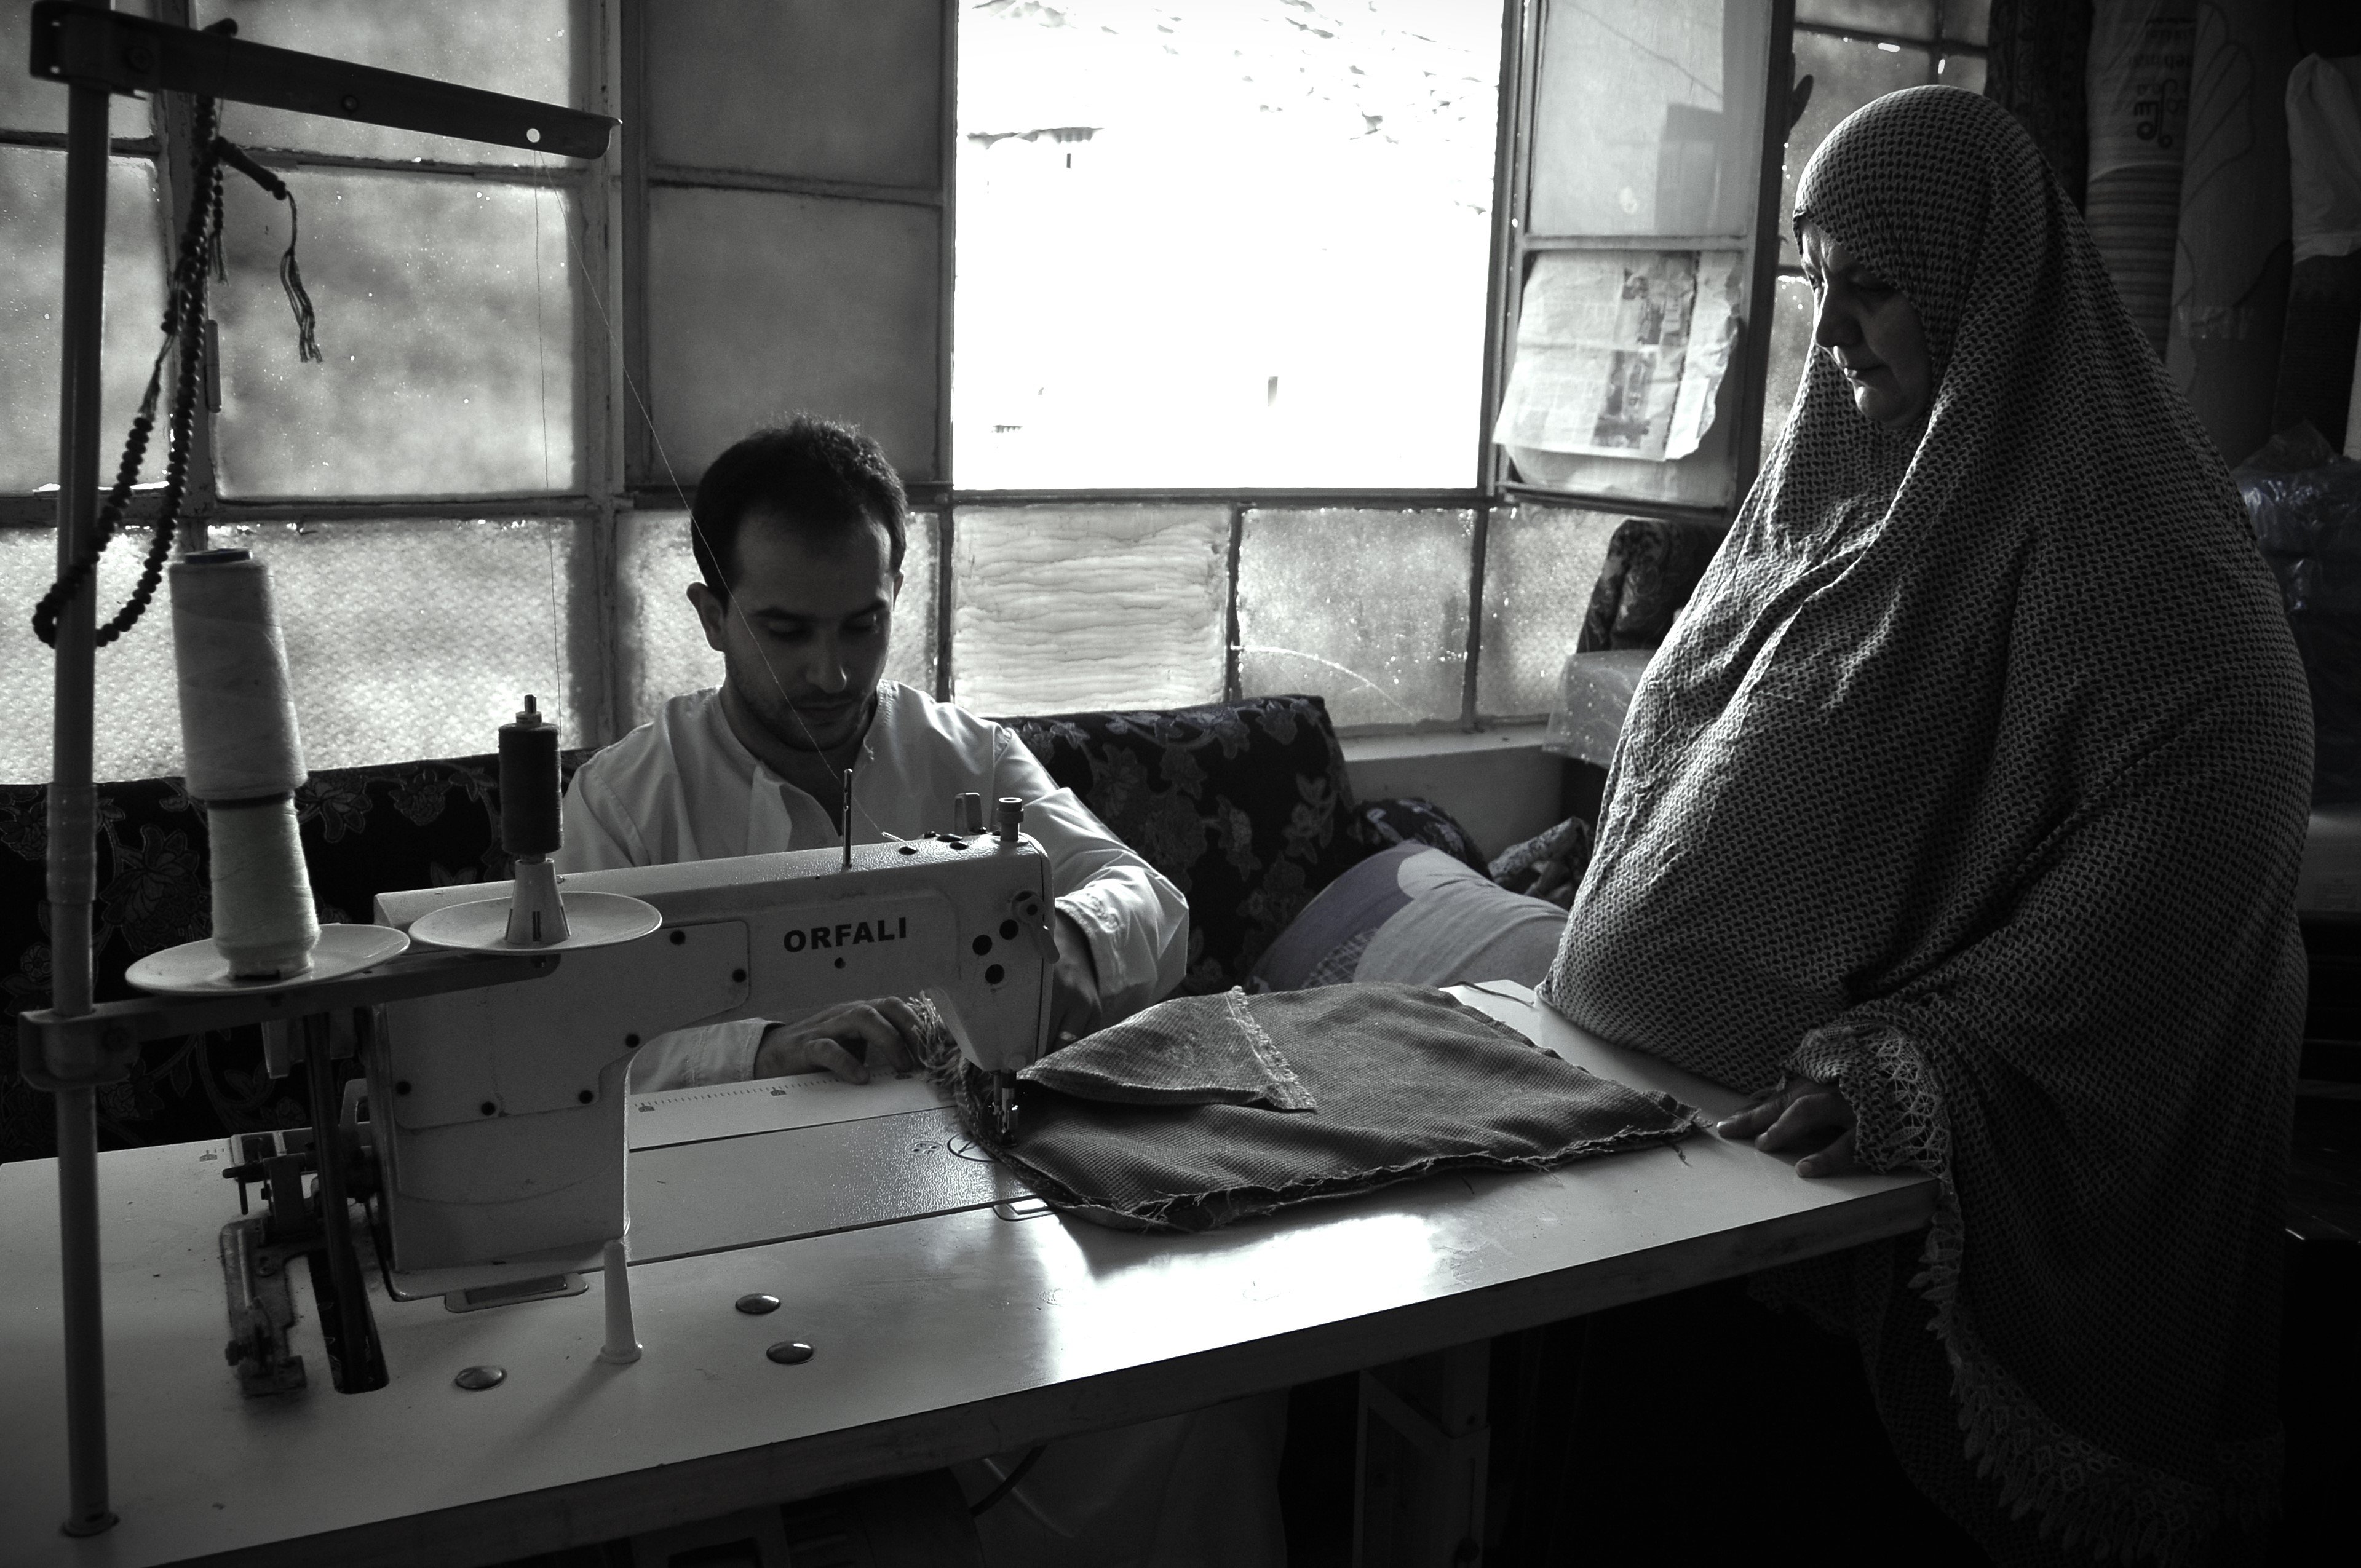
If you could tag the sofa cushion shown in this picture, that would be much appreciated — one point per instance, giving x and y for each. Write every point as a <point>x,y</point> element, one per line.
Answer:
<point>1243,804</point>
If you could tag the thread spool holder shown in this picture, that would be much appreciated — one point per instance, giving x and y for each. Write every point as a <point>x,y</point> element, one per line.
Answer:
<point>71,1047</point>
<point>536,916</point>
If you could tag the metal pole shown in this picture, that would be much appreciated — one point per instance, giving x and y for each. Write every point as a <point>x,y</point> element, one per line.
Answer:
<point>74,856</point>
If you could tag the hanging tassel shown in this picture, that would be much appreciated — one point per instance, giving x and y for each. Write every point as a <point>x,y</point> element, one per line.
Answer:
<point>307,344</point>
<point>291,277</point>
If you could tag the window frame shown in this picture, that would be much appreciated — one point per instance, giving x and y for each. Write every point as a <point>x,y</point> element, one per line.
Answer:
<point>1513,247</point>
<point>612,350</point>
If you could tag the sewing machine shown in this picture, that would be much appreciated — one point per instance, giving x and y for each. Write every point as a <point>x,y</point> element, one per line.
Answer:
<point>498,1115</point>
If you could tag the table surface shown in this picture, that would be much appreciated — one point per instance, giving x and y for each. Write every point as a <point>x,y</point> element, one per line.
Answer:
<point>939,1339</point>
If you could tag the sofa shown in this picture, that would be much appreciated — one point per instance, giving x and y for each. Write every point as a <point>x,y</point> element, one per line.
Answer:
<point>1244,805</point>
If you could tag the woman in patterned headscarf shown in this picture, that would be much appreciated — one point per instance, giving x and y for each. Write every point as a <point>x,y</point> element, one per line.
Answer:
<point>1964,805</point>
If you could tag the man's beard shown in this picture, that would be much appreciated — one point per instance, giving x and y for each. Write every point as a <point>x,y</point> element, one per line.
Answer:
<point>820,732</point>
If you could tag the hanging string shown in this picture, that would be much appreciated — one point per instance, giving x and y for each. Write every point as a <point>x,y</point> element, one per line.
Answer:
<point>200,262</point>
<point>291,277</point>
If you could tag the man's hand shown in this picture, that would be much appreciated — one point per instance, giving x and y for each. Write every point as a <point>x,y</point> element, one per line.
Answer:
<point>843,1040</point>
<point>1074,1002</point>
<point>1799,1117</point>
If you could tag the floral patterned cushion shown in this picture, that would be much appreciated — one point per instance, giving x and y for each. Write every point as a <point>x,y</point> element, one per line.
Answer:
<point>1244,805</point>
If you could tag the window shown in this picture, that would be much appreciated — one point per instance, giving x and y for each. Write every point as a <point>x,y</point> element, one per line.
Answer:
<point>1846,53</point>
<point>425,495</point>
<point>1234,279</point>
<point>1240,244</point>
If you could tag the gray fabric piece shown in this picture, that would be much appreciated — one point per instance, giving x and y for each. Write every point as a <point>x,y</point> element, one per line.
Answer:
<point>1408,1082</point>
<point>1973,780</point>
<point>1169,1058</point>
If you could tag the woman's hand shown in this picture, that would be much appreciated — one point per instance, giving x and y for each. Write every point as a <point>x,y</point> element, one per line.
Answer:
<point>1800,1116</point>
<point>843,1040</point>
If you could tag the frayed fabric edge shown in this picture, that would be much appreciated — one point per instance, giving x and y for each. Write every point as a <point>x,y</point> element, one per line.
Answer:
<point>1228,1205</point>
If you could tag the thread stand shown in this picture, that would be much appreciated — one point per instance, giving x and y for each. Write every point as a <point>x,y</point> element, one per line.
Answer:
<point>199,968</point>
<point>535,917</point>
<point>587,920</point>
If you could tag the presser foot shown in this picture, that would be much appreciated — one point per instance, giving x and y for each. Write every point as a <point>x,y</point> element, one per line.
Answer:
<point>1000,1105</point>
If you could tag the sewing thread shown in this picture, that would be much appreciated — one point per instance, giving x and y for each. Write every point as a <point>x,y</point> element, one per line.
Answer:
<point>264,922</point>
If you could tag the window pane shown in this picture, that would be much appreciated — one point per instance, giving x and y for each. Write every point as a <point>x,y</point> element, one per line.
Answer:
<point>1058,609</point>
<point>1969,21</point>
<point>1242,244</point>
<point>420,638</point>
<point>664,649</point>
<point>1965,71</point>
<point>858,77</point>
<point>734,342</point>
<point>1791,346</point>
<point>1647,117</point>
<point>446,316</point>
<point>27,104</point>
<point>1846,73</point>
<point>1367,609</point>
<point>527,49</point>
<point>32,270</point>
<point>1905,18</point>
<point>137,706</point>
<point>1540,565</point>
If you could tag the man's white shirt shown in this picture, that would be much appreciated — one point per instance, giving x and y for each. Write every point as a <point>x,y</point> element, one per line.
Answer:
<point>683,787</point>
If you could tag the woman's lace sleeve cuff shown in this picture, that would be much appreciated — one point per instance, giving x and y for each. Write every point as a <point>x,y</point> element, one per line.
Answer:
<point>1897,1102</point>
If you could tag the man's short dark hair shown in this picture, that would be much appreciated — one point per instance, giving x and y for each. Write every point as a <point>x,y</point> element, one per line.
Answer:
<point>823,480</point>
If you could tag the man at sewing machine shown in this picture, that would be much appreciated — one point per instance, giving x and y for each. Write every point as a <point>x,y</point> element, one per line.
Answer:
<point>799,534</point>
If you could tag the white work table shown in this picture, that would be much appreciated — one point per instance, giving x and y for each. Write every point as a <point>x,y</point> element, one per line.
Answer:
<point>937,1339</point>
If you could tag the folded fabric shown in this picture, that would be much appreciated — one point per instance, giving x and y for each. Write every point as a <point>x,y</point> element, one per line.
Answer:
<point>1204,1110</point>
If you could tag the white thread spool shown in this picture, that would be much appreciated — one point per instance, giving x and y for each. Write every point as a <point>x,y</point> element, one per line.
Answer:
<point>244,760</point>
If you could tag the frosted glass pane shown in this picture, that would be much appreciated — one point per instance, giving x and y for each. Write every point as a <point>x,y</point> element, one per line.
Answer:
<point>527,49</point>
<point>1962,71</point>
<point>759,306</point>
<point>418,638</point>
<point>447,319</point>
<point>32,272</point>
<point>1968,21</point>
<point>1791,348</point>
<point>1846,73</point>
<point>1061,609</point>
<point>29,104</point>
<point>1366,609</point>
<point>1647,117</point>
<point>1904,18</point>
<point>860,78</point>
<point>138,707</point>
<point>1540,565</point>
<point>664,649</point>
<point>1182,226</point>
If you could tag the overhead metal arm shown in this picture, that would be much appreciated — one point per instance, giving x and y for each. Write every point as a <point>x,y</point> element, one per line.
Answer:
<point>83,47</point>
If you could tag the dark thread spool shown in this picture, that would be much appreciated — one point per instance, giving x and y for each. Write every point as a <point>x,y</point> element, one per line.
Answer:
<point>529,791</point>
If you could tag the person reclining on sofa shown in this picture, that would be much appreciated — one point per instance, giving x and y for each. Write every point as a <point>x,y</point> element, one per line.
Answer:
<point>799,535</point>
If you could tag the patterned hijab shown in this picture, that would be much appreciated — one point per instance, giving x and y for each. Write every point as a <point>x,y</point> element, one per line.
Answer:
<point>1973,780</point>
